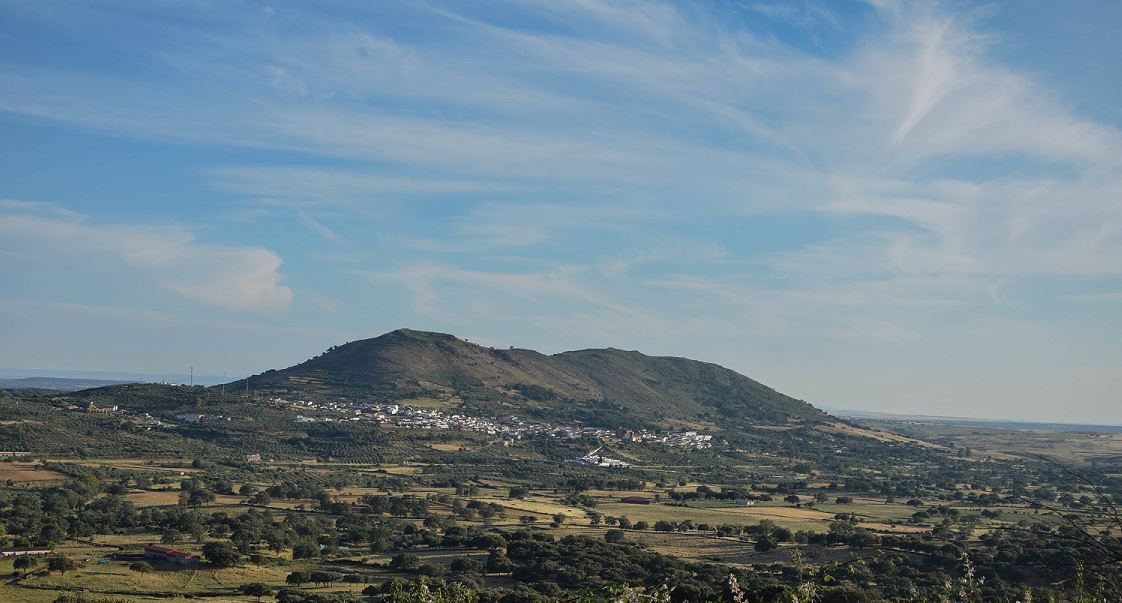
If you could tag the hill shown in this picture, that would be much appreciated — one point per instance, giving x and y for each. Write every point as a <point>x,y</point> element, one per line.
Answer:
<point>597,386</point>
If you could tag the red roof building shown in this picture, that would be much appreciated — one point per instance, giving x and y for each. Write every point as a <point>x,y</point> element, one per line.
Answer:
<point>163,553</point>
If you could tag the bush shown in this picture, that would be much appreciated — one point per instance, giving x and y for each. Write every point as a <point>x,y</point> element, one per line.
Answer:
<point>256,589</point>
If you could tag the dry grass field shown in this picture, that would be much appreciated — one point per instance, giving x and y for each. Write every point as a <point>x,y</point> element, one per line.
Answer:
<point>789,517</point>
<point>27,472</point>
<point>875,434</point>
<point>153,498</point>
<point>1070,447</point>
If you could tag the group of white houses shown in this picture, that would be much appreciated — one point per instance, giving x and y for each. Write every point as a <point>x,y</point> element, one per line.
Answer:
<point>25,552</point>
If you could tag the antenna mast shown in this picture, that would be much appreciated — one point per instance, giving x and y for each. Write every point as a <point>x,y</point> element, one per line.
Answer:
<point>192,377</point>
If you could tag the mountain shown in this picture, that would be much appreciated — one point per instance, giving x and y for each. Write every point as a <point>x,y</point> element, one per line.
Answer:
<point>597,386</point>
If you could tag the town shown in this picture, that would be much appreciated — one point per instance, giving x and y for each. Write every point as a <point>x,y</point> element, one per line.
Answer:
<point>510,428</point>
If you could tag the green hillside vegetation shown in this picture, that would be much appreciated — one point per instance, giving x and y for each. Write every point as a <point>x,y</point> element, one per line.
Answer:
<point>610,387</point>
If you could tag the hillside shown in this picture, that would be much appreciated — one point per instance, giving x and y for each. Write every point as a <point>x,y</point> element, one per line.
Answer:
<point>606,386</point>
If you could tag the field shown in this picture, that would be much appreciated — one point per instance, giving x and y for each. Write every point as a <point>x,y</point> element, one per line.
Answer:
<point>26,472</point>
<point>1066,446</point>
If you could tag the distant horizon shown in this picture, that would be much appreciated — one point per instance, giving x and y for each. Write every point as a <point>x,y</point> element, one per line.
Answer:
<point>858,413</point>
<point>212,380</point>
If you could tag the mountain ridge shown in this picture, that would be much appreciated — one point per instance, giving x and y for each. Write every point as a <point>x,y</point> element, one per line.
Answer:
<point>596,385</point>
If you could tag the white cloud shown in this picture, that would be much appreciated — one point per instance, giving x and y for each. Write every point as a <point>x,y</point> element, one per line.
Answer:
<point>240,278</point>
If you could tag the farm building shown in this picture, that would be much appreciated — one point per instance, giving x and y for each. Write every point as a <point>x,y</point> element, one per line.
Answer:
<point>24,552</point>
<point>162,553</point>
<point>635,500</point>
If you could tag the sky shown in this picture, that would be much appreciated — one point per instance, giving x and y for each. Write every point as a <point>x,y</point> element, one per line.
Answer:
<point>887,206</point>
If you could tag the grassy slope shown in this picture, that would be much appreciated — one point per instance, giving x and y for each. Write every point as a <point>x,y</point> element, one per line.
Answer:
<point>409,364</point>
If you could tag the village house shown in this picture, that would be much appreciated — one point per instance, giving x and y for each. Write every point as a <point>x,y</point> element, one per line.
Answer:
<point>163,553</point>
<point>25,552</point>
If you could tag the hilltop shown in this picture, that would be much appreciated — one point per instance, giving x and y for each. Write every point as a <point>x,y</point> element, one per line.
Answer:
<point>606,386</point>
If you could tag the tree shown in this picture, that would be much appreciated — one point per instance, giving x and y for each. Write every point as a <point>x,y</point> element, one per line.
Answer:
<point>23,562</point>
<point>221,554</point>
<point>466,565</point>
<point>614,536</point>
<point>140,567</point>
<point>405,562</point>
<point>765,544</point>
<point>200,497</point>
<point>527,520</point>
<point>61,564</point>
<point>624,522</point>
<point>298,578</point>
<point>171,536</point>
<point>499,563</point>
<point>325,578</point>
<point>558,519</point>
<point>256,589</point>
<point>305,549</point>
<point>792,498</point>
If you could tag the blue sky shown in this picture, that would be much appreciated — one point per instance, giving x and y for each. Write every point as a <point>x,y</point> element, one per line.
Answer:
<point>908,207</point>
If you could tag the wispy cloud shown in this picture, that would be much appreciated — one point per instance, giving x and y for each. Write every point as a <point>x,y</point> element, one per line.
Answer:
<point>239,278</point>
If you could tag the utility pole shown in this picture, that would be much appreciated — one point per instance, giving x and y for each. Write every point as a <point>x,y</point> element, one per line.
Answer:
<point>223,385</point>
<point>192,377</point>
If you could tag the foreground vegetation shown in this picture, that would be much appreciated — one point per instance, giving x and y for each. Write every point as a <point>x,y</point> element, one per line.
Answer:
<point>339,512</point>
